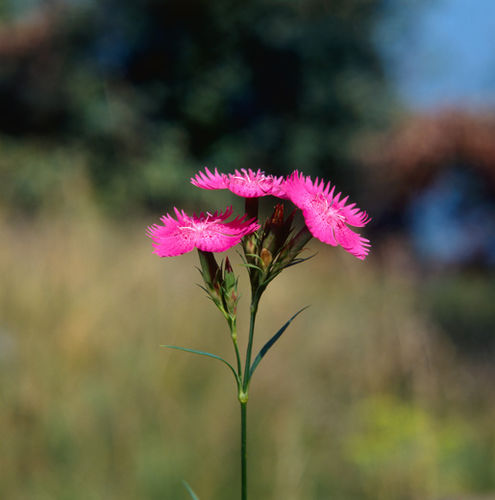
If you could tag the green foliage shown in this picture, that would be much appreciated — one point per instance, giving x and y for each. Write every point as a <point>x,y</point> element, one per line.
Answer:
<point>152,90</point>
<point>272,341</point>
<point>403,451</point>
<point>220,285</point>
<point>207,354</point>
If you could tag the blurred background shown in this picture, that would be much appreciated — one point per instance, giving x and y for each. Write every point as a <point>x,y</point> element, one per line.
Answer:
<point>384,388</point>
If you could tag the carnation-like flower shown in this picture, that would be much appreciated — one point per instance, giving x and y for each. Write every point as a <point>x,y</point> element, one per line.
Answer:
<point>207,232</point>
<point>245,183</point>
<point>327,216</point>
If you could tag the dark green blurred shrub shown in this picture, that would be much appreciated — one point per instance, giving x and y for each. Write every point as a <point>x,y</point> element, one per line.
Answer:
<point>150,89</point>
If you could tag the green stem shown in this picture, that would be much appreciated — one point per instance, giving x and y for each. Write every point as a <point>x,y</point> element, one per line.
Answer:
<point>243,451</point>
<point>243,396</point>
<point>254,310</point>
<point>233,334</point>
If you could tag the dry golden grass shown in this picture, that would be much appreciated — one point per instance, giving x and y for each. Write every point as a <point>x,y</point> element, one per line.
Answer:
<point>361,399</point>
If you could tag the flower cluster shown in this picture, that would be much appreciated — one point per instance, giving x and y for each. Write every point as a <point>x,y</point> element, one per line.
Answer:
<point>267,249</point>
<point>327,214</point>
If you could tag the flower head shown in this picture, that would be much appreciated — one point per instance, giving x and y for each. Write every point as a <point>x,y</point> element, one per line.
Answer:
<point>327,216</point>
<point>207,232</point>
<point>245,183</point>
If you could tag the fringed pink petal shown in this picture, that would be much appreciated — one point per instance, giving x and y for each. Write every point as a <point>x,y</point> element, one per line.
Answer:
<point>173,245</point>
<point>172,239</point>
<point>320,226</point>
<point>244,225</point>
<point>182,218</point>
<point>218,237</point>
<point>354,243</point>
<point>353,215</point>
<point>326,214</point>
<point>298,189</point>
<point>245,183</point>
<point>213,241</point>
<point>278,189</point>
<point>250,184</point>
<point>209,180</point>
<point>216,216</point>
<point>206,231</point>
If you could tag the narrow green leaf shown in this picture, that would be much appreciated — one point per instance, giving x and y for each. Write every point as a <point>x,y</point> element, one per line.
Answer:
<point>203,288</point>
<point>254,255</point>
<point>300,260</point>
<point>190,491</point>
<point>203,353</point>
<point>272,341</point>
<point>253,266</point>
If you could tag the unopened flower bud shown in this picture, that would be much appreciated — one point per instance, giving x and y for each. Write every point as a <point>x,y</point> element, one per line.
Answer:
<point>277,229</point>
<point>297,243</point>
<point>229,281</point>
<point>234,298</point>
<point>277,218</point>
<point>266,257</point>
<point>250,244</point>
<point>210,269</point>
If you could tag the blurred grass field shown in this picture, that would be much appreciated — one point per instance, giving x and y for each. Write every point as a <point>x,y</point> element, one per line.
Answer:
<point>361,399</point>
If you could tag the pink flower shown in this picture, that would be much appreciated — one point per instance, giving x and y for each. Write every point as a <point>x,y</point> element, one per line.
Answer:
<point>245,183</point>
<point>326,215</point>
<point>207,232</point>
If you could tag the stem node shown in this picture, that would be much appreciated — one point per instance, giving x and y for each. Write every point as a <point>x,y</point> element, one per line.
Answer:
<point>243,397</point>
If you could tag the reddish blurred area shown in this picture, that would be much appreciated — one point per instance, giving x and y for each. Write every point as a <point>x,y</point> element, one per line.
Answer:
<point>446,154</point>
<point>410,155</point>
<point>26,35</point>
